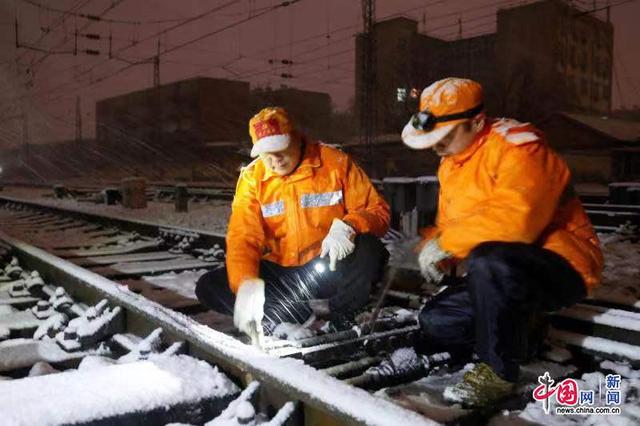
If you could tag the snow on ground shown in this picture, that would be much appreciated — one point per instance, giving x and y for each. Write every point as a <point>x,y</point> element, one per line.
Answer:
<point>290,331</point>
<point>229,416</point>
<point>4,332</point>
<point>621,282</point>
<point>211,216</point>
<point>619,318</point>
<point>95,361</point>
<point>622,368</point>
<point>20,353</point>
<point>111,390</point>
<point>596,381</point>
<point>6,309</point>
<point>327,391</point>
<point>42,368</point>
<point>183,283</point>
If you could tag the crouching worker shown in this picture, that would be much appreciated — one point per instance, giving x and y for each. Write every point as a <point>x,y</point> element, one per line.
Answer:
<point>508,217</point>
<point>303,233</point>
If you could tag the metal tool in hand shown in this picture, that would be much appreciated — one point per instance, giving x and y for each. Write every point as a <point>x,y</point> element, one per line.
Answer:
<point>393,269</point>
<point>376,310</point>
<point>256,334</point>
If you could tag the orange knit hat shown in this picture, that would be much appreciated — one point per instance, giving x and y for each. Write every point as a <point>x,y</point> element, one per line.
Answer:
<point>270,131</point>
<point>443,104</point>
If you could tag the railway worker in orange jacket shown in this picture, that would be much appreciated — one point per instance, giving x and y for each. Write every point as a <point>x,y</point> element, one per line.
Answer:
<point>507,216</point>
<point>304,231</point>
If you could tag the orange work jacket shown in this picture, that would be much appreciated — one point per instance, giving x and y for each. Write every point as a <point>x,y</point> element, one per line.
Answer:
<point>508,185</point>
<point>284,219</point>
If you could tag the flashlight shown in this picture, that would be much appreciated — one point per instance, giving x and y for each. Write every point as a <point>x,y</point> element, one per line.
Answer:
<point>320,267</point>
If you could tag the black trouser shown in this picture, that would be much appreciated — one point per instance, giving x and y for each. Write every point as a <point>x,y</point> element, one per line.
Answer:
<point>288,289</point>
<point>506,284</point>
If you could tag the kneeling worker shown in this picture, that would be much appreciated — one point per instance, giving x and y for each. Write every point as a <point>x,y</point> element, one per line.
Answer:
<point>507,212</point>
<point>303,233</point>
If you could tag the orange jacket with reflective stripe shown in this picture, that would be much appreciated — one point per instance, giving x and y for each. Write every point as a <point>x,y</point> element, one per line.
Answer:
<point>284,219</point>
<point>508,185</point>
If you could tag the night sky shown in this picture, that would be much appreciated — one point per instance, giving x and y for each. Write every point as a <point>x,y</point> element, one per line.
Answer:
<point>318,36</point>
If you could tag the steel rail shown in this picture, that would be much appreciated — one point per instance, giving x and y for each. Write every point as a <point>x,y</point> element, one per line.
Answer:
<point>320,393</point>
<point>142,227</point>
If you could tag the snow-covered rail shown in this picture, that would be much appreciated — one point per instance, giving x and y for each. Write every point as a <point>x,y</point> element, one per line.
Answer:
<point>284,379</point>
<point>144,228</point>
<point>145,259</point>
<point>608,217</point>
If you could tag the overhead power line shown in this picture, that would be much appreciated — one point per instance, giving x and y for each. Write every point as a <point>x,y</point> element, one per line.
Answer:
<point>295,60</point>
<point>155,35</point>
<point>324,34</point>
<point>247,74</point>
<point>200,38</point>
<point>609,6</point>
<point>98,18</point>
<point>54,26</point>
<point>113,5</point>
<point>175,47</point>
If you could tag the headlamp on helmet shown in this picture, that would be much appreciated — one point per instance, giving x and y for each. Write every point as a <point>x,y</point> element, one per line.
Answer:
<point>425,120</point>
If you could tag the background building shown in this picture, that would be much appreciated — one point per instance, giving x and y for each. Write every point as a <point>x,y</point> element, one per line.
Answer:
<point>552,57</point>
<point>545,57</point>
<point>407,61</point>
<point>546,61</point>
<point>598,149</point>
<point>196,111</point>
<point>193,129</point>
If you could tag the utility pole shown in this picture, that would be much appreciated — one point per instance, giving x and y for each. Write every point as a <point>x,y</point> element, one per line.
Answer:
<point>78,122</point>
<point>368,76</point>
<point>17,34</point>
<point>156,67</point>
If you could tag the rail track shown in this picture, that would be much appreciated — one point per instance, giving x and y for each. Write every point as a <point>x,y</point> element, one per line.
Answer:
<point>62,262</point>
<point>161,192</point>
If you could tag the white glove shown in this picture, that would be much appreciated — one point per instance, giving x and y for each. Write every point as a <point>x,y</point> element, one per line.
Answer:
<point>249,307</point>
<point>428,259</point>
<point>338,243</point>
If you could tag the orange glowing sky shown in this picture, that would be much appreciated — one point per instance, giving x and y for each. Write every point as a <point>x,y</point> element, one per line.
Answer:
<point>318,36</point>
